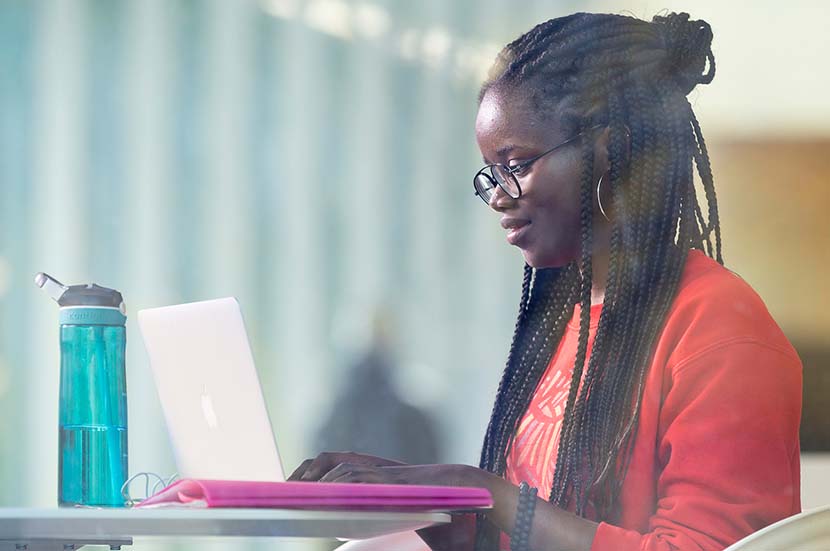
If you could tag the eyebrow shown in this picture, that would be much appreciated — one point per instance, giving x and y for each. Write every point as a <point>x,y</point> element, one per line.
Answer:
<point>503,152</point>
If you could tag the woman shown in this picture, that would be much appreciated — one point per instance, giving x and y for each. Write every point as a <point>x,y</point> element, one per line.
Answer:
<point>648,395</point>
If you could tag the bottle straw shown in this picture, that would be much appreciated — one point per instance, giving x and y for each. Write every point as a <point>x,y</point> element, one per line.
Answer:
<point>52,286</point>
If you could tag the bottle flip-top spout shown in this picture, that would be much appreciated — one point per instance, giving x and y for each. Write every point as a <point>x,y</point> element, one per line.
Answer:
<point>52,286</point>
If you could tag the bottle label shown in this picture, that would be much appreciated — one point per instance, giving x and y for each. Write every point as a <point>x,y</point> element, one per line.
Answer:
<point>85,315</point>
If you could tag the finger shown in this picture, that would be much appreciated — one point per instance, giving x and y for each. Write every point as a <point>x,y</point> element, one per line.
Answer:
<point>349,472</point>
<point>321,464</point>
<point>299,471</point>
<point>422,474</point>
<point>362,474</point>
<point>360,477</point>
<point>338,471</point>
<point>325,462</point>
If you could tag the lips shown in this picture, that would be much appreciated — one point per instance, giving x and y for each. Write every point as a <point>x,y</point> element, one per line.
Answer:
<point>516,228</point>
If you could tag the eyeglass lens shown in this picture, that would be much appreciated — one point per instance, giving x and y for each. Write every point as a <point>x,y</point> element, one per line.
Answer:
<point>485,183</point>
<point>506,180</point>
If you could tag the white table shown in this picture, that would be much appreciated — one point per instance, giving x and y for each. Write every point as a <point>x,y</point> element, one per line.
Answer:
<point>62,529</point>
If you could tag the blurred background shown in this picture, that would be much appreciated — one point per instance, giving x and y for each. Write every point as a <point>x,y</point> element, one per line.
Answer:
<point>313,158</point>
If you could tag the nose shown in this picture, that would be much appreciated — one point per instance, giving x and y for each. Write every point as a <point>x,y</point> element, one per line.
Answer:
<point>500,201</point>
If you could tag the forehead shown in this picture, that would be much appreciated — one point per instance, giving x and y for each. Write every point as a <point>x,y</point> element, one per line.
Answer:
<point>509,118</point>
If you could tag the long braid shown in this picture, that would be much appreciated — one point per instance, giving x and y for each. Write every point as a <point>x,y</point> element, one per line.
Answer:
<point>548,325</point>
<point>586,211</point>
<point>498,406</point>
<point>623,380</point>
<point>705,168</point>
<point>595,410</point>
<point>548,311</point>
<point>633,76</point>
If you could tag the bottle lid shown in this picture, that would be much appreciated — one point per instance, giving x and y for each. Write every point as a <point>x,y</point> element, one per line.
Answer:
<point>80,295</point>
<point>91,295</point>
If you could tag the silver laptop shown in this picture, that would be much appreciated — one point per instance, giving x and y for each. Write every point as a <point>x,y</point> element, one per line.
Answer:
<point>210,393</point>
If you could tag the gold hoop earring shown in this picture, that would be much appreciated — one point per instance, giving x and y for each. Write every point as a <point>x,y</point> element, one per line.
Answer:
<point>599,199</point>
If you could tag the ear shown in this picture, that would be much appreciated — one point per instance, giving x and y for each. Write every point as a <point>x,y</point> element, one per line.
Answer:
<point>602,166</point>
<point>602,156</point>
<point>602,151</point>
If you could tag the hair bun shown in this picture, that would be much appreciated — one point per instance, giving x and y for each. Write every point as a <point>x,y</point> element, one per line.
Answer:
<point>688,45</point>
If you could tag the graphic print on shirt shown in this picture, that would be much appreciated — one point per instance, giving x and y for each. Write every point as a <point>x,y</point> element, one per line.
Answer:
<point>537,438</point>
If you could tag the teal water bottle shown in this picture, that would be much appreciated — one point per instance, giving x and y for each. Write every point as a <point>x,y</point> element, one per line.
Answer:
<point>92,412</point>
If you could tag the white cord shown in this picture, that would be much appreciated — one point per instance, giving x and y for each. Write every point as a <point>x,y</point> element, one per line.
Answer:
<point>160,484</point>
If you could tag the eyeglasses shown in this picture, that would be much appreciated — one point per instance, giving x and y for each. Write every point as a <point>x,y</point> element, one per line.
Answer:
<point>486,179</point>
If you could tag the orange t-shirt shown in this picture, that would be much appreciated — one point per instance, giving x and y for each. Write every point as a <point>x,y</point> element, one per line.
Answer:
<point>716,453</point>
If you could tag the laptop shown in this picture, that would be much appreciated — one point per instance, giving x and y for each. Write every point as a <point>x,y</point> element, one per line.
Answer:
<point>210,392</point>
<point>221,434</point>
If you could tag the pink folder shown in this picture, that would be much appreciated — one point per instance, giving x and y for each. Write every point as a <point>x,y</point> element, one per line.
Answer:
<point>319,496</point>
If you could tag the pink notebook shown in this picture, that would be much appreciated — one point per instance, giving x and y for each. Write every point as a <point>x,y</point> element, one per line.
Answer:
<point>318,495</point>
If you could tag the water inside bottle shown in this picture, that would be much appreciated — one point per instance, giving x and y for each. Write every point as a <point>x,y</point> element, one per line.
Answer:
<point>95,460</point>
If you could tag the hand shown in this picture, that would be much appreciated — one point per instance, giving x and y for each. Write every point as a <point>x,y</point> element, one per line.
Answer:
<point>429,475</point>
<point>312,470</point>
<point>458,535</point>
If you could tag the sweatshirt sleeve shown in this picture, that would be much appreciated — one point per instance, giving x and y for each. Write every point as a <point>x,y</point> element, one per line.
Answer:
<point>727,448</point>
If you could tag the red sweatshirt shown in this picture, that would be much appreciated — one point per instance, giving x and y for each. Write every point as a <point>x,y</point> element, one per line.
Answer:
<point>716,455</point>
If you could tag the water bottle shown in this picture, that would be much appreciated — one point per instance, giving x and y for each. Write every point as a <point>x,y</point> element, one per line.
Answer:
<point>92,412</point>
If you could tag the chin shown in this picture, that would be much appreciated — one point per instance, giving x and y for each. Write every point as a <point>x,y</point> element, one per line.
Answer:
<point>546,259</point>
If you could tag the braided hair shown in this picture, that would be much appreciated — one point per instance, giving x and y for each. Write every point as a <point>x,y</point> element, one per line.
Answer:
<point>633,77</point>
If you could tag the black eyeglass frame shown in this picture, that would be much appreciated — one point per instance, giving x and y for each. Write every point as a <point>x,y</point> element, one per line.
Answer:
<point>511,171</point>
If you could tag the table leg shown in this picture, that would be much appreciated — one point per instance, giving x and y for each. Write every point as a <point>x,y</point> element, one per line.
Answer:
<point>60,544</point>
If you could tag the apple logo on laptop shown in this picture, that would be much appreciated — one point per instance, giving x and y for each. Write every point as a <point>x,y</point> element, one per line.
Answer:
<point>208,411</point>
